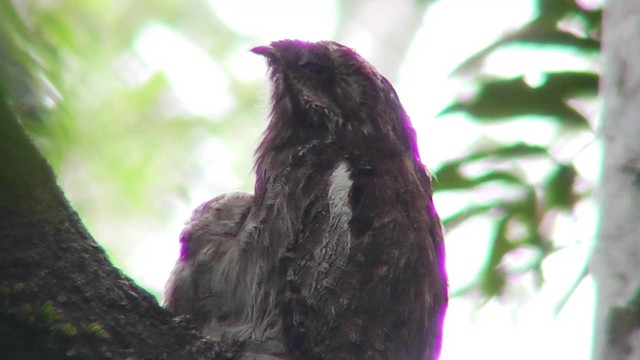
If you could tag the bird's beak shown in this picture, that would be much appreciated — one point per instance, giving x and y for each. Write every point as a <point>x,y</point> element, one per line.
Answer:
<point>266,51</point>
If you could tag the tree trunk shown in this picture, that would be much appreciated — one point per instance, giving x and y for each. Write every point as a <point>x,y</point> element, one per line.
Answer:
<point>616,260</point>
<point>60,297</point>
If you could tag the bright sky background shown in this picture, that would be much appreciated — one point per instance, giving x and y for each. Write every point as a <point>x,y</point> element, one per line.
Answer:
<point>522,326</point>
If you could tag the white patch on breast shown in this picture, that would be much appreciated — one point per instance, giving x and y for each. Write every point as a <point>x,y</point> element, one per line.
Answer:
<point>331,256</point>
<point>340,184</point>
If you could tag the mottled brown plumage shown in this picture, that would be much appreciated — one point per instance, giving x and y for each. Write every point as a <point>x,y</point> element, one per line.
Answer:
<point>343,231</point>
<point>204,282</point>
<point>340,253</point>
<point>210,284</point>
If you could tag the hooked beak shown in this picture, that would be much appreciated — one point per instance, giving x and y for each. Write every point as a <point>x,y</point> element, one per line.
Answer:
<point>266,51</point>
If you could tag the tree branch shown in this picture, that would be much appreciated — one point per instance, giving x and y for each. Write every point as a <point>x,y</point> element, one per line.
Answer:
<point>60,297</point>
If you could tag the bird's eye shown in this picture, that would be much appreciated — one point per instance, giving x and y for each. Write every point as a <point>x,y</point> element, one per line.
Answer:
<point>314,68</point>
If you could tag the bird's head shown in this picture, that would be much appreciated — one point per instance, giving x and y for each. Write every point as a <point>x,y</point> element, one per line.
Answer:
<point>327,87</point>
<point>219,219</point>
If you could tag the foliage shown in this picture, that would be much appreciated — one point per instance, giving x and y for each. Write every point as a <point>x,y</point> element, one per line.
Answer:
<point>71,70</point>
<point>522,215</point>
<point>96,110</point>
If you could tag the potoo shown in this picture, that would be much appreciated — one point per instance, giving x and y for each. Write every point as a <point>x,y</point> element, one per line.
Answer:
<point>343,232</point>
<point>205,282</point>
<point>209,282</point>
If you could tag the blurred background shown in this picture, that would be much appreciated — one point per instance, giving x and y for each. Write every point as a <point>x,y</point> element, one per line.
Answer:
<point>147,108</point>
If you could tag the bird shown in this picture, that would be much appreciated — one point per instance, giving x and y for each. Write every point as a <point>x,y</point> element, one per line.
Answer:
<point>204,281</point>
<point>343,245</point>
<point>209,285</point>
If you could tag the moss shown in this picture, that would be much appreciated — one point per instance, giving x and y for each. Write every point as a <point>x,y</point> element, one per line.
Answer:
<point>50,313</point>
<point>97,330</point>
<point>7,291</point>
<point>17,288</point>
<point>49,321</point>
<point>66,329</point>
<point>44,316</point>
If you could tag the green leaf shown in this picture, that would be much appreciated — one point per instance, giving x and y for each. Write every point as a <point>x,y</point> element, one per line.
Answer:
<point>515,150</point>
<point>449,177</point>
<point>571,84</point>
<point>555,10</point>
<point>545,31</point>
<point>467,213</point>
<point>559,191</point>
<point>449,174</point>
<point>492,278</point>
<point>498,100</point>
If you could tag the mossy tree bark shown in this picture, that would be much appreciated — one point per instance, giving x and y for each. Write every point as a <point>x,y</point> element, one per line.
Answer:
<point>60,297</point>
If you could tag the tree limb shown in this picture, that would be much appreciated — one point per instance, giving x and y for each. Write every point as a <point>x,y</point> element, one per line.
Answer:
<point>60,297</point>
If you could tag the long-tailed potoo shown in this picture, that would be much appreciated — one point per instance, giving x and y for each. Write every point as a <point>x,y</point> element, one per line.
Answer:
<point>348,244</point>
